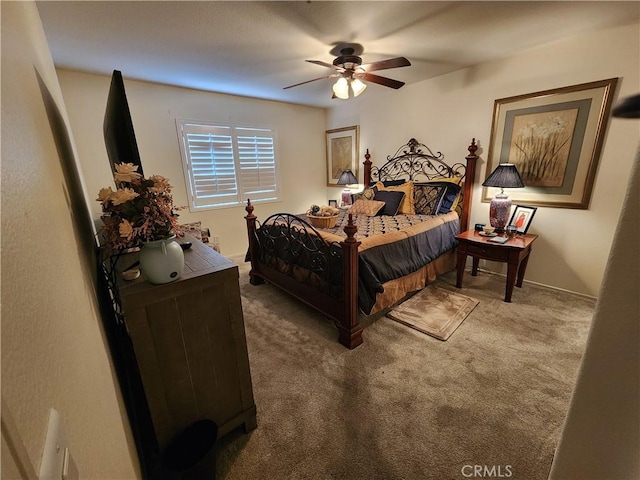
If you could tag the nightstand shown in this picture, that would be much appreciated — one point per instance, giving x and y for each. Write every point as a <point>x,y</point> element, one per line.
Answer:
<point>515,252</point>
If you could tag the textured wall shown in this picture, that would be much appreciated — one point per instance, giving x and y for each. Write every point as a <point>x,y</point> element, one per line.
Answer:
<point>53,349</point>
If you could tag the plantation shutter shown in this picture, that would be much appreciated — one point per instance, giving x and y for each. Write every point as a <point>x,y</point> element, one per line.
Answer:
<point>257,163</point>
<point>227,165</point>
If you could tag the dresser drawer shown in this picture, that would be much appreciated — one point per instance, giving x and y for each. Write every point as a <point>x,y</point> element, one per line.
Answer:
<point>488,252</point>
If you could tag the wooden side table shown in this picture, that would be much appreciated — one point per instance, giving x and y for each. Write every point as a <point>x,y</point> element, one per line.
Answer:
<point>515,252</point>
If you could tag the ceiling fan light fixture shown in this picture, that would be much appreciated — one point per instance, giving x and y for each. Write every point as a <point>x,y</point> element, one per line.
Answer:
<point>357,86</point>
<point>341,88</point>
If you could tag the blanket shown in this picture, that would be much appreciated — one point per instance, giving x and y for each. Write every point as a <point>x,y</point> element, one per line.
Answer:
<point>392,247</point>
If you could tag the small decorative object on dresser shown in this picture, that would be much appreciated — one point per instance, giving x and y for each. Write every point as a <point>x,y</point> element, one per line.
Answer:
<point>140,213</point>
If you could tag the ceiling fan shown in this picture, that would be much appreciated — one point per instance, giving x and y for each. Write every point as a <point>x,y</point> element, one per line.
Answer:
<point>350,71</point>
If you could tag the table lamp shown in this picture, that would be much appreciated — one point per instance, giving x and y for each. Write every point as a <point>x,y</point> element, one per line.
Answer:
<point>347,178</point>
<point>504,176</point>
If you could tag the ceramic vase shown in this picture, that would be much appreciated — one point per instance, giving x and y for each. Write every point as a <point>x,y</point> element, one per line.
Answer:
<point>161,261</point>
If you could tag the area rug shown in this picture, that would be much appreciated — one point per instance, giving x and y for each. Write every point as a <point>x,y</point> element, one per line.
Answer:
<point>434,311</point>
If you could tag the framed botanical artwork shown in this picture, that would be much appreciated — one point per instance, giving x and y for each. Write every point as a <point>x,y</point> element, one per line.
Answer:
<point>521,218</point>
<point>554,138</point>
<point>342,152</point>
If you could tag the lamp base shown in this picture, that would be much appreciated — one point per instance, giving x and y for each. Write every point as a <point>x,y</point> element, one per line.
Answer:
<point>346,198</point>
<point>499,210</point>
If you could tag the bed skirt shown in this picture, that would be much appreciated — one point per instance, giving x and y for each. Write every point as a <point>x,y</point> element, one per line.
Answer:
<point>395,290</point>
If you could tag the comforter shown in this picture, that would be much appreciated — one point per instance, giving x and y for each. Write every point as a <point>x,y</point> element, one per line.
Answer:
<point>394,246</point>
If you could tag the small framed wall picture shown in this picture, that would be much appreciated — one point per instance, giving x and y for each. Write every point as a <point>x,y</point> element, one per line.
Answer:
<point>333,203</point>
<point>342,153</point>
<point>522,217</point>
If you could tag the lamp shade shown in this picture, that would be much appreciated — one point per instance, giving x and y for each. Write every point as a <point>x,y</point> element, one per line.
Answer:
<point>341,88</point>
<point>357,86</point>
<point>628,108</point>
<point>505,175</point>
<point>347,178</point>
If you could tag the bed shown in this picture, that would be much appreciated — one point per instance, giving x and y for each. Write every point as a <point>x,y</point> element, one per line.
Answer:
<point>370,259</point>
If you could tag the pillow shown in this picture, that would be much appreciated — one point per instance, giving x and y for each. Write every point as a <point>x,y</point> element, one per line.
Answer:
<point>367,194</point>
<point>453,194</point>
<point>407,207</point>
<point>366,207</point>
<point>428,198</point>
<point>392,200</point>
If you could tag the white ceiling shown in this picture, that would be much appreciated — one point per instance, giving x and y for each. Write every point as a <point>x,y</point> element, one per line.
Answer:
<point>256,48</point>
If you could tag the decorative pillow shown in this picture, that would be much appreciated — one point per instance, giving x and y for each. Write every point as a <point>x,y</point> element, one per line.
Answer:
<point>367,194</point>
<point>366,207</point>
<point>392,200</point>
<point>453,194</point>
<point>407,207</point>
<point>428,198</point>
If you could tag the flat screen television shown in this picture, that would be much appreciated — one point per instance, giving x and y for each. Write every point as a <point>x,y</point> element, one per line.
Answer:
<point>119,136</point>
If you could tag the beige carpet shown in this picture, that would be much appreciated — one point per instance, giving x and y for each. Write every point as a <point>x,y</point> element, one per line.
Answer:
<point>434,311</point>
<point>405,405</point>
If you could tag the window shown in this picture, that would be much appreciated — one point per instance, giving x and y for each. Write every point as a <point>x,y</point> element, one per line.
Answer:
<point>226,165</point>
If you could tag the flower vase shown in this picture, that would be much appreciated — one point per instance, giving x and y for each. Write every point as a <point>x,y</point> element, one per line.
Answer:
<point>161,261</point>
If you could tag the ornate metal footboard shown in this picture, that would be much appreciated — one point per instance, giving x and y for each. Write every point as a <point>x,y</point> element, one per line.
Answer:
<point>290,253</point>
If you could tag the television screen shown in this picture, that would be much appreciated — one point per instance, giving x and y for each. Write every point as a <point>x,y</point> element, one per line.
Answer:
<point>119,136</point>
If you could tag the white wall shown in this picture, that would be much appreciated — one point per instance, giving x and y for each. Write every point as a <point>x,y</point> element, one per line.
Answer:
<point>154,108</point>
<point>53,351</point>
<point>447,111</point>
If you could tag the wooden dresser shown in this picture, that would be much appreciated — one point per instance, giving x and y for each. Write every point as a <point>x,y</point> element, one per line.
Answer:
<point>189,342</point>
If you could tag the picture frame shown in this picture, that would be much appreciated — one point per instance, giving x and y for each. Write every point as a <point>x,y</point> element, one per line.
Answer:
<point>333,203</point>
<point>554,137</point>
<point>342,152</point>
<point>522,217</point>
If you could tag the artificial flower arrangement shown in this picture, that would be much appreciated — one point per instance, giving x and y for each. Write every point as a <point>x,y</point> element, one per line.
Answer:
<point>139,210</point>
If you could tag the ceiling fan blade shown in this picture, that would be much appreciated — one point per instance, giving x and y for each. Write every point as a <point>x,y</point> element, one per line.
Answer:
<point>387,82</point>
<point>325,64</point>
<point>385,64</point>
<point>309,81</point>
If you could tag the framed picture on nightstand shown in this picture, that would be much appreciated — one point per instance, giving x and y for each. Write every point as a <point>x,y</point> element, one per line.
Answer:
<point>333,203</point>
<point>522,217</point>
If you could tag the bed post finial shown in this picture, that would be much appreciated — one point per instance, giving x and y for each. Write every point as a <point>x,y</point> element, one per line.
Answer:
<point>472,148</point>
<point>249,209</point>
<point>367,169</point>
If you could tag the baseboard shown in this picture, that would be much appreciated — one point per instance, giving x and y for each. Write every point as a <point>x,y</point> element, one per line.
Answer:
<point>550,287</point>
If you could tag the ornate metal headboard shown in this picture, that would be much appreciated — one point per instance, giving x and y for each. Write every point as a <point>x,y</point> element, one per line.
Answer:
<point>415,161</point>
